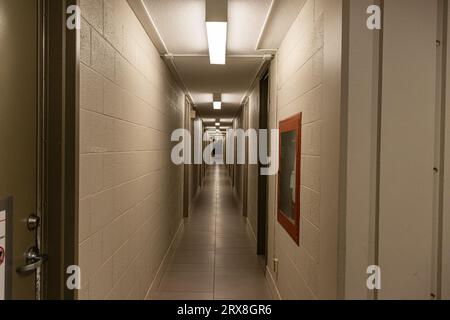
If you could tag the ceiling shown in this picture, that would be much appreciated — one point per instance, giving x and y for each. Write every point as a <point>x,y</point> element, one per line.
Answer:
<point>177,27</point>
<point>233,80</point>
<point>181,25</point>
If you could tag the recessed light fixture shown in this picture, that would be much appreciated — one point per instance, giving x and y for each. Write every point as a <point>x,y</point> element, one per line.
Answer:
<point>217,30</point>
<point>217,124</point>
<point>217,101</point>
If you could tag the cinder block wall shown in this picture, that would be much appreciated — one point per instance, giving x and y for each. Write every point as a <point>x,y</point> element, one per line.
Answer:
<point>130,193</point>
<point>307,69</point>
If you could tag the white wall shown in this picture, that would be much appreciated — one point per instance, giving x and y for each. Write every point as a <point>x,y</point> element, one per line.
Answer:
<point>130,193</point>
<point>362,139</point>
<point>407,149</point>
<point>446,191</point>
<point>405,243</point>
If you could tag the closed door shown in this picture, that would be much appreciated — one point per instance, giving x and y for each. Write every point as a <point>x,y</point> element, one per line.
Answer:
<point>19,22</point>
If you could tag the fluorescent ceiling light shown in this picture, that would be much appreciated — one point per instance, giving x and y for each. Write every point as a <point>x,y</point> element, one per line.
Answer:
<point>226,120</point>
<point>217,41</point>
<point>217,30</point>
<point>217,105</point>
<point>217,124</point>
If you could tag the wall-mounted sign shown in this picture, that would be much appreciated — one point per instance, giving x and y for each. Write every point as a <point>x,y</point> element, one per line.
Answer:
<point>289,177</point>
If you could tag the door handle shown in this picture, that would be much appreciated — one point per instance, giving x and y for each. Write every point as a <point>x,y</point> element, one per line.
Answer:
<point>33,261</point>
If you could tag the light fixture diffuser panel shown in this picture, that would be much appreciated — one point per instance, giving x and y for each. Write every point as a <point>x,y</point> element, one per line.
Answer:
<point>217,105</point>
<point>217,41</point>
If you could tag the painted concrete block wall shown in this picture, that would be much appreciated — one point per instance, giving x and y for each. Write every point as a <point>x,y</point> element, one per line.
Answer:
<point>130,203</point>
<point>308,81</point>
<point>272,180</point>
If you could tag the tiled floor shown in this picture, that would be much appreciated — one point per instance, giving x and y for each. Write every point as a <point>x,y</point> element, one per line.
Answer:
<point>216,257</point>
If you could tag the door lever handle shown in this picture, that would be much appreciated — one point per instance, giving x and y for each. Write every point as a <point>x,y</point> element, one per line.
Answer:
<point>33,261</point>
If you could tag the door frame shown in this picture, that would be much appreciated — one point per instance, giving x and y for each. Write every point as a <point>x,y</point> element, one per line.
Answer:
<point>186,182</point>
<point>59,151</point>
<point>245,126</point>
<point>262,179</point>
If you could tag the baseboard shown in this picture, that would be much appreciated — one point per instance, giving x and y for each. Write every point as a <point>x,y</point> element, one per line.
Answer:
<point>164,263</point>
<point>272,285</point>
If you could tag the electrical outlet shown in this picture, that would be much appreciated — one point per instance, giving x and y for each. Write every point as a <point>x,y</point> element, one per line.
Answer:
<point>275,266</point>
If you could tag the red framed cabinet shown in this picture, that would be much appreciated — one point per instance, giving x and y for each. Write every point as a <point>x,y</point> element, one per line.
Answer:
<point>289,175</point>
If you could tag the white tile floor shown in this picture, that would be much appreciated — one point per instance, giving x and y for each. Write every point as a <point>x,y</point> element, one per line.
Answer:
<point>216,256</point>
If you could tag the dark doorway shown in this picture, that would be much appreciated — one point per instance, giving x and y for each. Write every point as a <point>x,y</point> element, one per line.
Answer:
<point>262,179</point>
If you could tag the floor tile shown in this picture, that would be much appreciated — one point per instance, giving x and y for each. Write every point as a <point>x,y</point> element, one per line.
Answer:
<point>241,261</point>
<point>182,296</point>
<point>187,281</point>
<point>216,255</point>
<point>241,287</point>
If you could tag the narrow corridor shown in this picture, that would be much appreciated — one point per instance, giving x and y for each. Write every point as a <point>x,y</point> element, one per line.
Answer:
<point>216,255</point>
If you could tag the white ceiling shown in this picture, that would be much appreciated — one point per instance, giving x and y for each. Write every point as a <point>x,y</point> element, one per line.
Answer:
<point>181,25</point>
<point>232,80</point>
<point>177,27</point>
<point>280,19</point>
